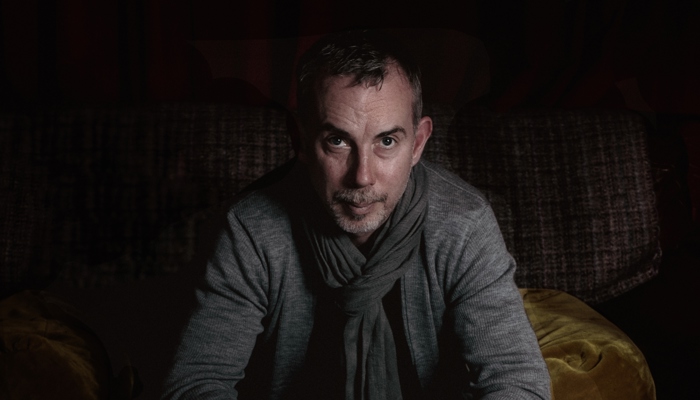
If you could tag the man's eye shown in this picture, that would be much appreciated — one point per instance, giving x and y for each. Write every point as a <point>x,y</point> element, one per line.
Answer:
<point>335,141</point>
<point>387,141</point>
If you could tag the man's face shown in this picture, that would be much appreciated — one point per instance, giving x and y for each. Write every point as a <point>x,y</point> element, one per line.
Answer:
<point>361,149</point>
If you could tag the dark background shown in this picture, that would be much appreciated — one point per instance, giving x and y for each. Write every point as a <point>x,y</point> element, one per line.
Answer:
<point>638,55</point>
<point>642,55</point>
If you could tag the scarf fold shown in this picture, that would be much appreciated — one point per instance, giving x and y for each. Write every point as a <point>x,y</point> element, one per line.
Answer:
<point>359,284</point>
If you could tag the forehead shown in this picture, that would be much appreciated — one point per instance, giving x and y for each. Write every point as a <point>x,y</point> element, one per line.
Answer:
<point>341,94</point>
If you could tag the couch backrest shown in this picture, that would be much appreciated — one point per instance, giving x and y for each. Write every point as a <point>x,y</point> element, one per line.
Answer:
<point>128,187</point>
<point>572,191</point>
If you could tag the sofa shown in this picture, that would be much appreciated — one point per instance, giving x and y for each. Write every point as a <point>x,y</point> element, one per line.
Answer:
<point>108,214</point>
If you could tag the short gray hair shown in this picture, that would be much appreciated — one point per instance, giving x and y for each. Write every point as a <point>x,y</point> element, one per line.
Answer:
<point>364,55</point>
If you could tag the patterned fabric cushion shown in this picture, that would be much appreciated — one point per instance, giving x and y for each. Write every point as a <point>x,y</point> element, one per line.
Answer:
<point>24,215</point>
<point>126,189</point>
<point>126,180</point>
<point>136,186</point>
<point>572,192</point>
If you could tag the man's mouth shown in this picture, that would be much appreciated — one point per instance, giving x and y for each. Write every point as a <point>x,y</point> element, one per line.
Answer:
<point>359,208</point>
<point>357,203</point>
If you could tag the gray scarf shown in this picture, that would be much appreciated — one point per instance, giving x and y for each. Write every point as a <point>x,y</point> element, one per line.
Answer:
<point>360,284</point>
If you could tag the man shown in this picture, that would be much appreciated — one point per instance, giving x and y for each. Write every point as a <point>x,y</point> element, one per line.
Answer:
<point>364,273</point>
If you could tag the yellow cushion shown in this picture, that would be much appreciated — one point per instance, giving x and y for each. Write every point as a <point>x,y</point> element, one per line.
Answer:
<point>46,353</point>
<point>588,357</point>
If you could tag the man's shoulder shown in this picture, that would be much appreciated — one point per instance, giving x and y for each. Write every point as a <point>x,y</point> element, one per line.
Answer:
<point>270,204</point>
<point>448,193</point>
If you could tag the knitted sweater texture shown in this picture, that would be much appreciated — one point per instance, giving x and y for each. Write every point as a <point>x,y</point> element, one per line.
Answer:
<point>463,316</point>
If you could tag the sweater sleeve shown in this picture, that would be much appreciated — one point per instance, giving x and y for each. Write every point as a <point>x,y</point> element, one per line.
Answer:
<point>221,333</point>
<point>497,342</point>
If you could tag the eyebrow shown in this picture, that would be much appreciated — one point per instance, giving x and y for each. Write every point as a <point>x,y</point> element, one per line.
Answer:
<point>328,127</point>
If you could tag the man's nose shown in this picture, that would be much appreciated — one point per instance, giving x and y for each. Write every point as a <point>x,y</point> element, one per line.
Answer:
<point>362,172</point>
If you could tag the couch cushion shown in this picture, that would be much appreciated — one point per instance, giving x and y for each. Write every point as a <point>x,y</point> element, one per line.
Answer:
<point>121,175</point>
<point>24,217</point>
<point>48,353</point>
<point>572,191</point>
<point>136,186</point>
<point>588,357</point>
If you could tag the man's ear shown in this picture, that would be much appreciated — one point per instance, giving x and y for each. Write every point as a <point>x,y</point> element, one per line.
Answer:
<point>423,132</point>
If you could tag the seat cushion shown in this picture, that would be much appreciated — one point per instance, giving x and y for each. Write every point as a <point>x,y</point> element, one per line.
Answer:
<point>588,357</point>
<point>47,353</point>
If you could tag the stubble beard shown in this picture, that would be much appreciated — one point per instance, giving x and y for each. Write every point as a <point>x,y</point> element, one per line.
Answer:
<point>360,223</point>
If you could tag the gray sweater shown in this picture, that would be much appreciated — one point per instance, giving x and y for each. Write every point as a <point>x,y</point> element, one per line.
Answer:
<point>259,303</point>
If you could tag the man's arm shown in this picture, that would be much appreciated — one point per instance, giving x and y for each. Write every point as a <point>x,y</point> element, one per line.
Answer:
<point>496,338</point>
<point>220,336</point>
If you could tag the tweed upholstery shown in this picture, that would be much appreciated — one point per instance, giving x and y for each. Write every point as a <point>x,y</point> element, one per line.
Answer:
<point>572,191</point>
<point>115,179</point>
<point>24,215</point>
<point>170,162</point>
<point>122,191</point>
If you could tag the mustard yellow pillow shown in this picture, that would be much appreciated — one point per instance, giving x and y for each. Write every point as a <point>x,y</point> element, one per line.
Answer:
<point>588,357</point>
<point>47,353</point>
